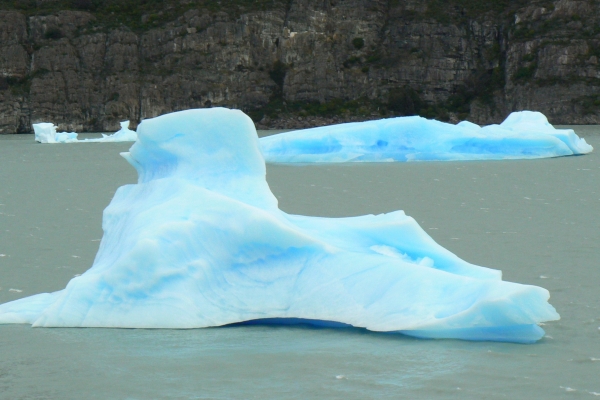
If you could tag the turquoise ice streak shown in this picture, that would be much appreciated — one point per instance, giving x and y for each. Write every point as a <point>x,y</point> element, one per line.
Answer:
<point>200,241</point>
<point>523,134</point>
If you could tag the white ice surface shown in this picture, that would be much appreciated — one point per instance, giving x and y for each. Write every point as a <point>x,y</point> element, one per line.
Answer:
<point>45,132</point>
<point>199,241</point>
<point>122,135</point>
<point>524,134</point>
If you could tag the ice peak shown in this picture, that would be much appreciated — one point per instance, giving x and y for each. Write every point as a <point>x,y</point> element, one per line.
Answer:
<point>212,147</point>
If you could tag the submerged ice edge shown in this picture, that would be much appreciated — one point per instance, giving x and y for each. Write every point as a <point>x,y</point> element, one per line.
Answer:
<point>523,135</point>
<point>199,241</point>
<point>520,333</point>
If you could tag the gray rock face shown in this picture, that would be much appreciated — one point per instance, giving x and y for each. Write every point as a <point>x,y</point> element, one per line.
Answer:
<point>70,69</point>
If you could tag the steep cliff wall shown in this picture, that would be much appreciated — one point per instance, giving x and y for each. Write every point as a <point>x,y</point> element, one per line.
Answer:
<point>287,63</point>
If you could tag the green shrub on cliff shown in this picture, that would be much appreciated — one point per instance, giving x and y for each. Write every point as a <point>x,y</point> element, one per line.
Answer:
<point>358,43</point>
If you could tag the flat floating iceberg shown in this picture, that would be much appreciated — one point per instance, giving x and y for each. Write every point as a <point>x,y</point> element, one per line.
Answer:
<point>199,241</point>
<point>122,135</point>
<point>524,134</point>
<point>45,132</point>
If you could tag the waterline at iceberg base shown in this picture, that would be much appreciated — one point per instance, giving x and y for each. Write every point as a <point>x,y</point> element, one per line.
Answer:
<point>523,135</point>
<point>200,242</point>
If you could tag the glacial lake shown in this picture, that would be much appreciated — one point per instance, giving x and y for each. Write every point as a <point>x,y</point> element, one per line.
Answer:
<point>536,220</point>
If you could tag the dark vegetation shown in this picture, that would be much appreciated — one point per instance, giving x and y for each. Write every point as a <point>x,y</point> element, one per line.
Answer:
<point>53,33</point>
<point>17,86</point>
<point>358,43</point>
<point>461,11</point>
<point>144,14</point>
<point>400,101</point>
<point>480,86</point>
<point>277,107</point>
<point>588,104</point>
<point>525,73</point>
<point>138,15</point>
<point>277,74</point>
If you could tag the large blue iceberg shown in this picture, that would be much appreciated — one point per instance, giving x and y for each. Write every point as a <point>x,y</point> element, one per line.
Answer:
<point>524,134</point>
<point>199,241</point>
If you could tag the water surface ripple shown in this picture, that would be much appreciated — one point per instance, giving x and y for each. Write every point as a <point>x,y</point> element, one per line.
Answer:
<point>537,220</point>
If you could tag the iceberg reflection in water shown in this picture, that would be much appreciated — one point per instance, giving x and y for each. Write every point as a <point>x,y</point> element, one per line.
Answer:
<point>200,241</point>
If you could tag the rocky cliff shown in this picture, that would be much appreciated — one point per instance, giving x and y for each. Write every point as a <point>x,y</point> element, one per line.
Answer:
<point>297,63</point>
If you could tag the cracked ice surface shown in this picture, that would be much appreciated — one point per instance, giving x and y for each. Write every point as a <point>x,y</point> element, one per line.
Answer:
<point>199,241</point>
<point>524,134</point>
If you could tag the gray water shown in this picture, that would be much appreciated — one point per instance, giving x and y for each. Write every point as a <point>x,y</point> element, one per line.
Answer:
<point>537,220</point>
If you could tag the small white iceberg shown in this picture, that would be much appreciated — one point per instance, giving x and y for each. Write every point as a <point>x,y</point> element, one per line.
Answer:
<point>122,135</point>
<point>523,135</point>
<point>45,132</point>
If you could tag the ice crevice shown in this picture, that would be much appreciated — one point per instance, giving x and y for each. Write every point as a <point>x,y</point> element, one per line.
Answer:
<point>200,241</point>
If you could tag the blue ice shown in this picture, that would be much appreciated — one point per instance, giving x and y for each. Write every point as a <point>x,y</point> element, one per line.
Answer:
<point>524,134</point>
<point>200,241</point>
